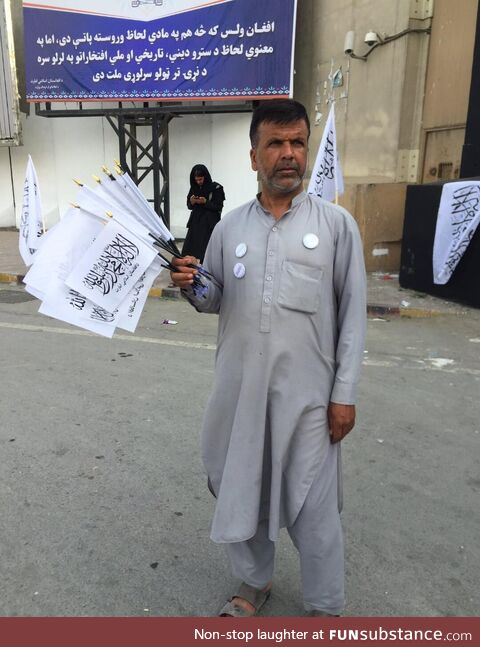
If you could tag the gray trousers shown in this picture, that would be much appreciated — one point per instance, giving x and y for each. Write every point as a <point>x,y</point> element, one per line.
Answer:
<point>316,534</point>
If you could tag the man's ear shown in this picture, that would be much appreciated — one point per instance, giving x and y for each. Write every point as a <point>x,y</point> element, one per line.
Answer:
<point>253,159</point>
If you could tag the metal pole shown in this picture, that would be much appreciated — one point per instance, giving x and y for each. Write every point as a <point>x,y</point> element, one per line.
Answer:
<point>121,142</point>
<point>157,205</point>
<point>166,172</point>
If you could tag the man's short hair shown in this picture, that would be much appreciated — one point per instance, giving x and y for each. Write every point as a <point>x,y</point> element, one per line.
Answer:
<point>277,111</point>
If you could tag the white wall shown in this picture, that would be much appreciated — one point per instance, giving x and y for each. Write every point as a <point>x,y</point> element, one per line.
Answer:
<point>7,210</point>
<point>77,147</point>
<point>221,143</point>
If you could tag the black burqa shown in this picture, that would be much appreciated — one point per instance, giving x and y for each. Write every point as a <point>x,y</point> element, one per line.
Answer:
<point>204,217</point>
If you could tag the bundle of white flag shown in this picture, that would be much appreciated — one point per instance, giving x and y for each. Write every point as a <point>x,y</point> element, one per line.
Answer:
<point>95,267</point>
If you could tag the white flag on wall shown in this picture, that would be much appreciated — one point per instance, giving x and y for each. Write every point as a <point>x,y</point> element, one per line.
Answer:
<point>327,179</point>
<point>31,227</point>
<point>457,220</point>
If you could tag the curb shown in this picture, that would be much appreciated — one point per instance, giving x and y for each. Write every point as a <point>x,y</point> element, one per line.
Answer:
<point>7,277</point>
<point>155,292</point>
<point>165,293</point>
<point>394,311</point>
<point>373,309</point>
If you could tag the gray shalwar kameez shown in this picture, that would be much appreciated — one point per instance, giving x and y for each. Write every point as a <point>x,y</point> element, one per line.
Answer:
<point>292,317</point>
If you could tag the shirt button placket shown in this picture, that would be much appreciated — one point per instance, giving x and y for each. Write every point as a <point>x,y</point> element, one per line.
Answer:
<point>269,279</point>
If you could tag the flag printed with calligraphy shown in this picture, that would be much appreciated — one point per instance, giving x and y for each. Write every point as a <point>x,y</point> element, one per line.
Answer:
<point>111,266</point>
<point>31,224</point>
<point>132,306</point>
<point>327,180</point>
<point>68,305</point>
<point>457,221</point>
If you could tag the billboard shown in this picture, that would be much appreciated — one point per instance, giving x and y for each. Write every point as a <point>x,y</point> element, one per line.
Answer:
<point>162,50</point>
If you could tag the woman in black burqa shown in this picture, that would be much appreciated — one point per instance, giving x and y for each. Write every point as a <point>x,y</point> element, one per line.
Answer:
<point>205,199</point>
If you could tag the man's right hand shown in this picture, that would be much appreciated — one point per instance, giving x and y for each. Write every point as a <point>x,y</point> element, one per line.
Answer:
<point>183,277</point>
<point>193,199</point>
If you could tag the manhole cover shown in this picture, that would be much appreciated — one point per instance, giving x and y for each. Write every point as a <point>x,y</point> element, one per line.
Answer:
<point>15,296</point>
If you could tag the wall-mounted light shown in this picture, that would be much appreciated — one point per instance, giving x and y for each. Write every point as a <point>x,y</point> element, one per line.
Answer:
<point>374,40</point>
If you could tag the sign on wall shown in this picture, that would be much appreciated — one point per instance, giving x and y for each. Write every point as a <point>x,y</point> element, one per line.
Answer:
<point>100,50</point>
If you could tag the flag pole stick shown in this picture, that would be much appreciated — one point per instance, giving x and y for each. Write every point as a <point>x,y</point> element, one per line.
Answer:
<point>335,178</point>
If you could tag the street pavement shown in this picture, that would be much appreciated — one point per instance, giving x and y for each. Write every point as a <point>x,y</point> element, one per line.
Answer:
<point>105,509</point>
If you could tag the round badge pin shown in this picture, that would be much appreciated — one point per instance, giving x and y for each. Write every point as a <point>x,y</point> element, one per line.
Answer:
<point>310,241</point>
<point>240,250</point>
<point>239,270</point>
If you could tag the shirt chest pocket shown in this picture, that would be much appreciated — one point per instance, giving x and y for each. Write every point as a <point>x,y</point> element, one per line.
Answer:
<point>300,287</point>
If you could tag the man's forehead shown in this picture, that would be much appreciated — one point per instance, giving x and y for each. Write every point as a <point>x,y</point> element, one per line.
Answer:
<point>292,129</point>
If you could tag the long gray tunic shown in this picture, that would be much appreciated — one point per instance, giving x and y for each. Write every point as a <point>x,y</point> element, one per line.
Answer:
<point>290,339</point>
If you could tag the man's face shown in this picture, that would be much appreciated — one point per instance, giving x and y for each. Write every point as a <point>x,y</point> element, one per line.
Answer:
<point>199,179</point>
<point>280,156</point>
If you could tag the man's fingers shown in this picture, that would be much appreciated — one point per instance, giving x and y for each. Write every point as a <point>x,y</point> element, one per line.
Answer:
<point>338,433</point>
<point>341,420</point>
<point>184,275</point>
<point>183,278</point>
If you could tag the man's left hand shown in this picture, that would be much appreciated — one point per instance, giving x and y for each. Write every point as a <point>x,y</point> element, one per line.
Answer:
<point>341,420</point>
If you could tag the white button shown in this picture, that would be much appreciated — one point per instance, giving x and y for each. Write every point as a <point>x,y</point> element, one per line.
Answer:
<point>240,250</point>
<point>269,278</point>
<point>239,270</point>
<point>310,241</point>
<point>270,253</point>
<point>267,299</point>
<point>274,229</point>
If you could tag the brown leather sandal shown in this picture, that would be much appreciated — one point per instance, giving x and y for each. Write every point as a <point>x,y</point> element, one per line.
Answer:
<point>255,597</point>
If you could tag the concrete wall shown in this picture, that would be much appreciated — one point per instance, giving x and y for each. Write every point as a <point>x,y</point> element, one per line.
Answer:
<point>369,103</point>
<point>379,211</point>
<point>447,88</point>
<point>378,107</point>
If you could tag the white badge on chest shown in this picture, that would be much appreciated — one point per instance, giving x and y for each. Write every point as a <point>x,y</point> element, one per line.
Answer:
<point>239,270</point>
<point>240,250</point>
<point>310,241</point>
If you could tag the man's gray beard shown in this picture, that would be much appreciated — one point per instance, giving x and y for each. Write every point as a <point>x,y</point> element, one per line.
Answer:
<point>281,188</point>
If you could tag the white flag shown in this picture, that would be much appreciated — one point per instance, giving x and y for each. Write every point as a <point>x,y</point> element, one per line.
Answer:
<point>111,266</point>
<point>31,227</point>
<point>457,220</point>
<point>62,248</point>
<point>65,304</point>
<point>327,179</point>
<point>132,306</point>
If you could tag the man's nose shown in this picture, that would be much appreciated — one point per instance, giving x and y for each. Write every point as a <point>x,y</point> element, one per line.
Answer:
<point>287,150</point>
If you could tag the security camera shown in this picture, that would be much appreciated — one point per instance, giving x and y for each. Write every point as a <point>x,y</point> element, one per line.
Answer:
<point>371,38</point>
<point>349,42</point>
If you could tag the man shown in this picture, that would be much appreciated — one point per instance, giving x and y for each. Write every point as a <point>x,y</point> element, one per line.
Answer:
<point>290,291</point>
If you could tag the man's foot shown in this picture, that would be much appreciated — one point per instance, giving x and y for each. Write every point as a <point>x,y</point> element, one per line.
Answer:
<point>247,602</point>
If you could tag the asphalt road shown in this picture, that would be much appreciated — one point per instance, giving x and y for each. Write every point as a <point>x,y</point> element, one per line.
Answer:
<point>104,505</point>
